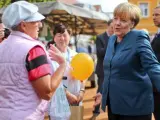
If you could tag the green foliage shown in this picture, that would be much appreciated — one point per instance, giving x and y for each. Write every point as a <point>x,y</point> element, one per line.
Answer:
<point>4,3</point>
<point>93,38</point>
<point>49,37</point>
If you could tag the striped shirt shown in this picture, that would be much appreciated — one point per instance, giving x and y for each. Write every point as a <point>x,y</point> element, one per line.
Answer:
<point>37,64</point>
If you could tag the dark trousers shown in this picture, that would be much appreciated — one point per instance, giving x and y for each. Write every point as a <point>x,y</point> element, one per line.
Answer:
<point>112,116</point>
<point>100,85</point>
<point>156,112</point>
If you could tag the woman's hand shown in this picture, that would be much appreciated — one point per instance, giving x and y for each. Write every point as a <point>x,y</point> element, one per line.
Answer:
<point>72,99</point>
<point>80,96</point>
<point>98,99</point>
<point>56,55</point>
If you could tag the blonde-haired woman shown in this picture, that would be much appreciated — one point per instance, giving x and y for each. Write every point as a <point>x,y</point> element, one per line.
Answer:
<point>130,68</point>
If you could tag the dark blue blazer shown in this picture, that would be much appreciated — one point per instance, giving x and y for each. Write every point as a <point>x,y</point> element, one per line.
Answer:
<point>130,67</point>
<point>156,48</point>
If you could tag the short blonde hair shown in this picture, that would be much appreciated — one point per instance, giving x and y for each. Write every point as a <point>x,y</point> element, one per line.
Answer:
<point>128,10</point>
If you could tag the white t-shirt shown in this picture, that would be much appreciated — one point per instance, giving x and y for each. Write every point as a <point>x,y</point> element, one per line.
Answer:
<point>72,85</point>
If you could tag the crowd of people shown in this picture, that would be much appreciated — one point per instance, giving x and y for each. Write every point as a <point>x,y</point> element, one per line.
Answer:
<point>35,80</point>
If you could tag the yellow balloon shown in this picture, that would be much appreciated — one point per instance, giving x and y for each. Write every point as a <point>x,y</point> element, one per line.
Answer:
<point>82,65</point>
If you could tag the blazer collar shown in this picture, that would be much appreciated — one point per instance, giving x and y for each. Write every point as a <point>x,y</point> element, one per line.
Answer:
<point>126,41</point>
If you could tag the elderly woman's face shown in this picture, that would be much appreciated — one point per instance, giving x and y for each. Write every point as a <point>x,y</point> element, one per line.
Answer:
<point>122,26</point>
<point>1,31</point>
<point>32,28</point>
<point>62,40</point>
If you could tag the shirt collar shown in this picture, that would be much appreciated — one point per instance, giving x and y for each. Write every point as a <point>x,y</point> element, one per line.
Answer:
<point>21,34</point>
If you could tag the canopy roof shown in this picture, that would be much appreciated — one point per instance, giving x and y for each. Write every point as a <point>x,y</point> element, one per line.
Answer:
<point>82,21</point>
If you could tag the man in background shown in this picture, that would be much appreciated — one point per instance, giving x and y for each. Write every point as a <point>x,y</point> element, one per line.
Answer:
<point>156,48</point>
<point>101,45</point>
